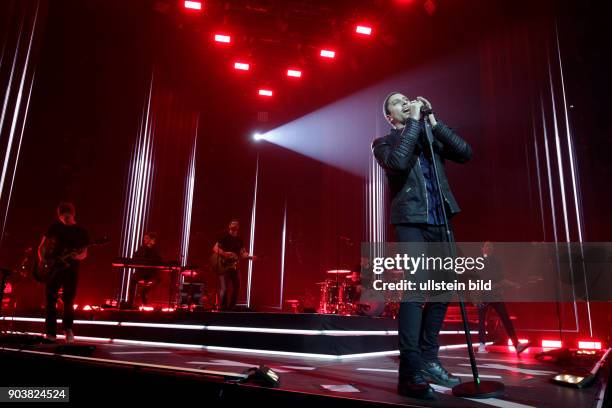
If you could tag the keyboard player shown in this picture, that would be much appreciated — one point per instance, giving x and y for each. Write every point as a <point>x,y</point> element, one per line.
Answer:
<point>148,253</point>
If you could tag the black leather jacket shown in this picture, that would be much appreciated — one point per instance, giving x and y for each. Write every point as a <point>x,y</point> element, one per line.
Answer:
<point>398,154</point>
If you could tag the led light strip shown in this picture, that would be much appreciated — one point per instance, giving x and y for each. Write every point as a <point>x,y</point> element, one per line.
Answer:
<point>188,202</point>
<point>18,153</point>
<point>561,183</point>
<point>242,350</point>
<point>18,102</point>
<point>252,234</point>
<point>573,172</point>
<point>242,329</point>
<point>139,190</point>
<point>16,112</point>
<point>282,268</point>
<point>129,363</point>
<point>375,207</point>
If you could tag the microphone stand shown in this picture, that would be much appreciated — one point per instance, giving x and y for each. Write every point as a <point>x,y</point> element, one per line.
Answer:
<point>476,388</point>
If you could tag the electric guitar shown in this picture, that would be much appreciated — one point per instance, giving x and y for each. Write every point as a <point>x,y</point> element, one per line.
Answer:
<point>220,264</point>
<point>45,270</point>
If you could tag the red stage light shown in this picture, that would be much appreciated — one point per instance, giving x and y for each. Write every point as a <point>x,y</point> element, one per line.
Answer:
<point>241,66</point>
<point>222,38</point>
<point>294,73</point>
<point>589,345</point>
<point>361,29</point>
<point>265,92</point>
<point>146,308</point>
<point>328,54</point>
<point>87,307</point>
<point>551,344</point>
<point>193,5</point>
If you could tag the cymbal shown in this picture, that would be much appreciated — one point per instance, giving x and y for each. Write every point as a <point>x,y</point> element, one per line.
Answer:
<point>339,271</point>
<point>321,283</point>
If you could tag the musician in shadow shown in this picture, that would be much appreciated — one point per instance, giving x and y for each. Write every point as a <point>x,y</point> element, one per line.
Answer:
<point>63,246</point>
<point>148,253</point>
<point>227,252</point>
<point>494,271</point>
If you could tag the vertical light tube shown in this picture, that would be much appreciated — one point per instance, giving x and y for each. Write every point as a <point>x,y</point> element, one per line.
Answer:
<point>561,171</point>
<point>252,234</point>
<point>282,275</point>
<point>549,174</point>
<point>10,80</point>
<point>23,123</point>
<point>559,158</point>
<point>537,161</point>
<point>24,73</point>
<point>570,145</point>
<point>138,196</point>
<point>11,159</point>
<point>575,181</point>
<point>188,202</point>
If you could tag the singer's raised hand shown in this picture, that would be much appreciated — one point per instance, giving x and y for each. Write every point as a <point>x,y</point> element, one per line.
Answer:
<point>415,109</point>
<point>432,118</point>
<point>425,102</point>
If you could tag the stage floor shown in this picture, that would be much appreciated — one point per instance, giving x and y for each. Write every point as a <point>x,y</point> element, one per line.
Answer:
<point>371,379</point>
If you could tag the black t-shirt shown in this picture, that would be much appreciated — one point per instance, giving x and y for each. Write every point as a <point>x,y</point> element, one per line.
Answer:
<point>148,254</point>
<point>230,243</point>
<point>66,238</point>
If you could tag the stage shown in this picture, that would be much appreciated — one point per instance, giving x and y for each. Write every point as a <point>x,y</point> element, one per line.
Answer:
<point>147,373</point>
<point>320,336</point>
<point>346,360</point>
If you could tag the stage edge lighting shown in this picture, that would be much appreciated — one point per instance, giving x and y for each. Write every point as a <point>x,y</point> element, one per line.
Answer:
<point>580,378</point>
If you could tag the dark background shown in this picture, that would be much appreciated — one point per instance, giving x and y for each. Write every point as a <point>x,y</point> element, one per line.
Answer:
<point>94,61</point>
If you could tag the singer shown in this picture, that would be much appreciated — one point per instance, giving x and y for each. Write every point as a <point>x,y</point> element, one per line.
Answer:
<point>416,215</point>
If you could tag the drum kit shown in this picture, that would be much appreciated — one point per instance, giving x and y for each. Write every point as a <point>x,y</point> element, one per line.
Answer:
<point>339,295</point>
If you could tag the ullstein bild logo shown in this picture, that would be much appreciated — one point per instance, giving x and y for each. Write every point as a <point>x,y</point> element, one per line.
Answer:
<point>432,285</point>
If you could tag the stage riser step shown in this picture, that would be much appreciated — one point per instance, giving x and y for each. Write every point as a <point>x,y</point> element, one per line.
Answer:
<point>335,345</point>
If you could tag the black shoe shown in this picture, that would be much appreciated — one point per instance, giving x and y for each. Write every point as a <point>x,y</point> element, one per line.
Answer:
<point>415,386</point>
<point>522,347</point>
<point>435,373</point>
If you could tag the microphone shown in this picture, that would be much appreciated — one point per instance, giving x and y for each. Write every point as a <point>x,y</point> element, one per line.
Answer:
<point>425,110</point>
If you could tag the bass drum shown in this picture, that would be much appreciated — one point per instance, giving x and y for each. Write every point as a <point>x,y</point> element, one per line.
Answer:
<point>371,308</point>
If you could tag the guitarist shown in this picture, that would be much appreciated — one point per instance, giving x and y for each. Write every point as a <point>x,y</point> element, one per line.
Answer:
<point>229,247</point>
<point>63,237</point>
